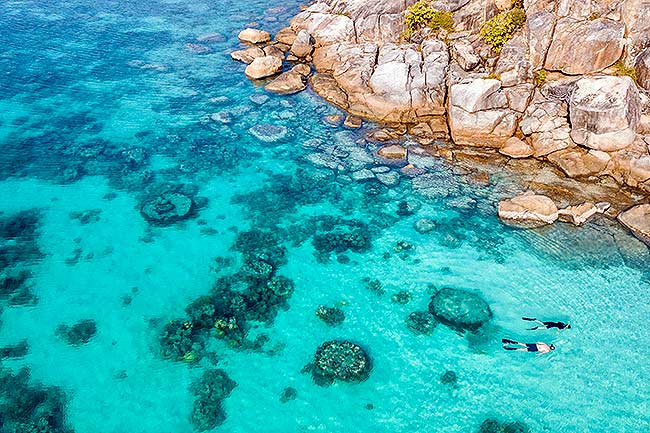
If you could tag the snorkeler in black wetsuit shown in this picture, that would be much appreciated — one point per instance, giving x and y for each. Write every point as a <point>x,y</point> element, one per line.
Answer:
<point>547,325</point>
<point>539,347</point>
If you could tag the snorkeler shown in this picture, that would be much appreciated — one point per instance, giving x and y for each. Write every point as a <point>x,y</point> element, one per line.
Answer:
<point>527,347</point>
<point>547,325</point>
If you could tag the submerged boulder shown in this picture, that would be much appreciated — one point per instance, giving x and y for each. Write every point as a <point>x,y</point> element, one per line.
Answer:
<point>637,220</point>
<point>340,360</point>
<point>460,309</point>
<point>288,83</point>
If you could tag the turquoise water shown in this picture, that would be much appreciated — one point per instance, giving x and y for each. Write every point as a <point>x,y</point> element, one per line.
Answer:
<point>104,106</point>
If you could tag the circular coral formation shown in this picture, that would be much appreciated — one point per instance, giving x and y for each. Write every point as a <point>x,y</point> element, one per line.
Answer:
<point>421,322</point>
<point>340,360</point>
<point>167,208</point>
<point>460,309</point>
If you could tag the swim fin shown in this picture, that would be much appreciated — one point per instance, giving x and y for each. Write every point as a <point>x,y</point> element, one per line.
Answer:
<point>529,319</point>
<point>506,341</point>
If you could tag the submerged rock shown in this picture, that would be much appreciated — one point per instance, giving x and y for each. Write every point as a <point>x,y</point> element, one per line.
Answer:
<point>637,220</point>
<point>167,208</point>
<point>340,360</point>
<point>269,133</point>
<point>460,309</point>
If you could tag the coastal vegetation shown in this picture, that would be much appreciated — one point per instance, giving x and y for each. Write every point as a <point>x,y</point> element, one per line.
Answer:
<point>422,15</point>
<point>500,29</point>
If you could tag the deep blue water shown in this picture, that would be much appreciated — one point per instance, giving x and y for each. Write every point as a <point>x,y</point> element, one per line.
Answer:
<point>105,108</point>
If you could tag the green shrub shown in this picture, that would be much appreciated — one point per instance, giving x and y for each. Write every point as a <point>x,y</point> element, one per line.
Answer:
<point>499,29</point>
<point>622,70</point>
<point>517,4</point>
<point>421,14</point>
<point>540,77</point>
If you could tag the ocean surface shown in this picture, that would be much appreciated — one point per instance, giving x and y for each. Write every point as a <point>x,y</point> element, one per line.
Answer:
<point>114,112</point>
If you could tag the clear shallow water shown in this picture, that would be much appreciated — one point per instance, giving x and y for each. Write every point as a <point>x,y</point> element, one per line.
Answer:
<point>103,102</point>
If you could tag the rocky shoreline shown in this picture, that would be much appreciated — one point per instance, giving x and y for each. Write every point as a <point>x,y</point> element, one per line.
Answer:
<point>566,92</point>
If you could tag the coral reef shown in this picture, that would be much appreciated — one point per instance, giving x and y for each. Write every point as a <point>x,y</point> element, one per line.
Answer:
<point>30,408</point>
<point>289,393</point>
<point>332,316</point>
<point>491,425</point>
<point>15,351</point>
<point>209,391</point>
<point>78,333</point>
<point>421,322</point>
<point>340,360</point>
<point>460,309</point>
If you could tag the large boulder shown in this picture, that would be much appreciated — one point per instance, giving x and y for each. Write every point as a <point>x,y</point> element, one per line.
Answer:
<point>637,220</point>
<point>247,55</point>
<point>528,210</point>
<point>288,83</point>
<point>254,36</point>
<point>340,360</point>
<point>263,67</point>
<point>479,113</point>
<point>460,309</point>
<point>516,148</point>
<point>636,16</point>
<point>605,112</point>
<point>325,27</point>
<point>583,47</point>
<point>302,46</point>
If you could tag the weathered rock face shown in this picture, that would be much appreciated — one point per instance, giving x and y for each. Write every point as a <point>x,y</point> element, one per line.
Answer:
<point>254,36</point>
<point>642,66</point>
<point>479,113</point>
<point>637,220</point>
<point>460,309</point>
<point>540,33</point>
<point>463,52</point>
<point>528,210</point>
<point>302,46</point>
<point>583,47</point>
<point>605,112</point>
<point>263,67</point>
<point>513,66</point>
<point>546,123</point>
<point>393,84</point>
<point>326,28</point>
<point>636,16</point>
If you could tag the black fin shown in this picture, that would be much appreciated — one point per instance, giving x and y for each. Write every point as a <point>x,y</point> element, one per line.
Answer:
<point>506,341</point>
<point>529,319</point>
